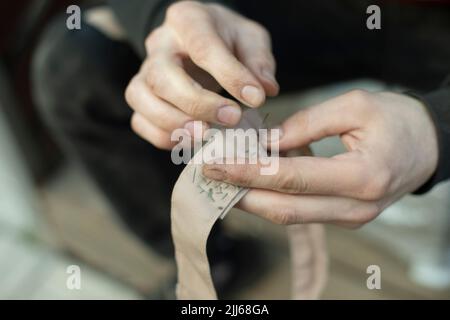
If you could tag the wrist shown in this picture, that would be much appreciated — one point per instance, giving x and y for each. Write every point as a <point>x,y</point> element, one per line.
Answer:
<point>437,104</point>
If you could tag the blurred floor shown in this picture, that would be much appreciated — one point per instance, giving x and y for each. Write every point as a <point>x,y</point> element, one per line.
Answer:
<point>351,252</point>
<point>30,265</point>
<point>79,226</point>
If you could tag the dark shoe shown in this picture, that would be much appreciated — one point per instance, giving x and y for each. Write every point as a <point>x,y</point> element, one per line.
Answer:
<point>236,262</point>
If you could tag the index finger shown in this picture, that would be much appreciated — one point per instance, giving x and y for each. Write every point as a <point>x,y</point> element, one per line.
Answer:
<point>209,51</point>
<point>343,176</point>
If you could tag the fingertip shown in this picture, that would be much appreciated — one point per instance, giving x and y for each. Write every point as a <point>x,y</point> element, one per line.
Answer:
<point>272,90</point>
<point>253,96</point>
<point>213,171</point>
<point>229,115</point>
<point>269,82</point>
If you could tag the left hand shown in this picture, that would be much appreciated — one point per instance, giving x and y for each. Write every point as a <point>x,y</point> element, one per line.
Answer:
<point>391,150</point>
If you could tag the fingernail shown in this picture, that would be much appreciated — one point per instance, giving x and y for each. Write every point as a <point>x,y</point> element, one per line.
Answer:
<point>213,172</point>
<point>229,115</point>
<point>252,95</point>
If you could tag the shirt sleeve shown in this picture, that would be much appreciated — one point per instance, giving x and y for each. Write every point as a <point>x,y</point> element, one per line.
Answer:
<point>438,104</point>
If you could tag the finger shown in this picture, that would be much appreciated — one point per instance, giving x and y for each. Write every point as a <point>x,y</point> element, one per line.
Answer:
<point>254,50</point>
<point>293,209</point>
<point>168,80</point>
<point>333,117</point>
<point>208,50</point>
<point>148,131</point>
<point>342,176</point>
<point>154,109</point>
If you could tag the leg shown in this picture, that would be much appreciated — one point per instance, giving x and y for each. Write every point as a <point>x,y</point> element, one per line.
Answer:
<point>79,81</point>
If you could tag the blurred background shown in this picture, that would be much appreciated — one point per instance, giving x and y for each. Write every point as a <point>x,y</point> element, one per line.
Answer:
<point>53,216</point>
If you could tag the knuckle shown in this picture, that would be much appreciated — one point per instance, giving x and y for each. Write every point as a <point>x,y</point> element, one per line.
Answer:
<point>160,118</point>
<point>234,81</point>
<point>178,10</point>
<point>364,215</point>
<point>370,212</point>
<point>193,107</point>
<point>151,42</point>
<point>358,98</point>
<point>257,28</point>
<point>284,216</point>
<point>370,182</point>
<point>173,12</point>
<point>264,33</point>
<point>153,77</point>
<point>296,183</point>
<point>200,48</point>
<point>233,84</point>
<point>130,92</point>
<point>358,95</point>
<point>290,182</point>
<point>239,174</point>
<point>136,124</point>
<point>305,119</point>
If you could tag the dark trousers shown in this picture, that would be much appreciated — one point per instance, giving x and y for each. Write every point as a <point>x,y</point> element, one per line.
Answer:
<point>80,76</point>
<point>79,82</point>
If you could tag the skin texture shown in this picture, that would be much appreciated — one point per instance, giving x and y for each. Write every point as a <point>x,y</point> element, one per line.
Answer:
<point>391,150</point>
<point>187,63</point>
<point>390,139</point>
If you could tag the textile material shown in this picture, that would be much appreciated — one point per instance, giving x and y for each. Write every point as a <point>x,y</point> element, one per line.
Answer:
<point>197,202</point>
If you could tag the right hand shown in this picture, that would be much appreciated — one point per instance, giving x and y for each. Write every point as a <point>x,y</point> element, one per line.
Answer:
<point>197,50</point>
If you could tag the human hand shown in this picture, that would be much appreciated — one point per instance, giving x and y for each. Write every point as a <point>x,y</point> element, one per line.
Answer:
<point>391,150</point>
<point>198,49</point>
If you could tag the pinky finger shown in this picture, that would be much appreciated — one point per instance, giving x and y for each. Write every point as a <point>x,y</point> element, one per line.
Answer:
<point>151,133</point>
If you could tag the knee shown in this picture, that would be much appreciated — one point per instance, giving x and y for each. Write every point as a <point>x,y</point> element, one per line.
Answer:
<point>60,70</point>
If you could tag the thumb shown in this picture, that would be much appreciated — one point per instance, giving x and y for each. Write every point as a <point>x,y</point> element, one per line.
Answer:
<point>332,117</point>
<point>254,50</point>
